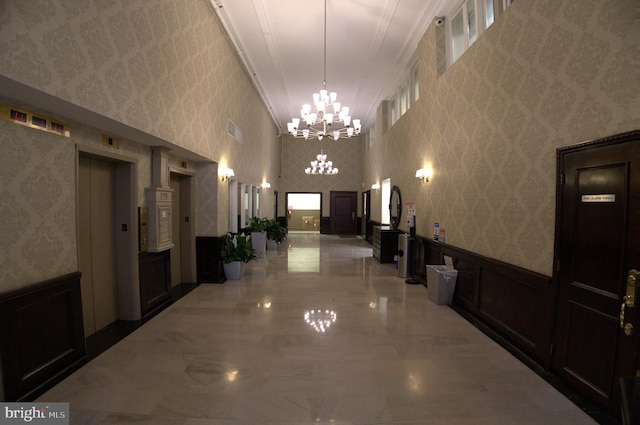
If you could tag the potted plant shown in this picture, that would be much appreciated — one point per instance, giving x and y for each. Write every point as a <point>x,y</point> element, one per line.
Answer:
<point>276,233</point>
<point>236,252</point>
<point>258,228</point>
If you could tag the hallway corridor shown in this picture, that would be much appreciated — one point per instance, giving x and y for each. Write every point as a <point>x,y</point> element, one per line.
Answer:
<point>242,353</point>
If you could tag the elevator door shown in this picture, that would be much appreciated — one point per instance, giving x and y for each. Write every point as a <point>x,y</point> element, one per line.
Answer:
<point>176,225</point>
<point>96,249</point>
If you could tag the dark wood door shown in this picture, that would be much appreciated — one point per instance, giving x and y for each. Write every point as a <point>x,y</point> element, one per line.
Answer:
<point>343,213</point>
<point>599,206</point>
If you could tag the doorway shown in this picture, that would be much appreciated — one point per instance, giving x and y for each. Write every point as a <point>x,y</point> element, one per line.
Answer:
<point>343,216</point>
<point>304,211</point>
<point>182,255</point>
<point>385,196</point>
<point>597,224</point>
<point>366,215</point>
<point>107,238</point>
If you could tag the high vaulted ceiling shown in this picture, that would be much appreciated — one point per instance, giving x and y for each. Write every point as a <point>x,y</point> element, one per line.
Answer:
<point>370,45</point>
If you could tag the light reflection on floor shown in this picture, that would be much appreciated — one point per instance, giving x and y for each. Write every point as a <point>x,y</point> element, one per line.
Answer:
<point>303,260</point>
<point>245,353</point>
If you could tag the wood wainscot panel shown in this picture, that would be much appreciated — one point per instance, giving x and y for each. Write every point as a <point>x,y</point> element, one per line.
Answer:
<point>324,225</point>
<point>155,282</point>
<point>468,282</point>
<point>42,336</point>
<point>209,260</point>
<point>513,303</point>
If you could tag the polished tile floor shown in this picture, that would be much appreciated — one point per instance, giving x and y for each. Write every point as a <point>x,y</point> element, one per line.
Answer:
<point>317,333</point>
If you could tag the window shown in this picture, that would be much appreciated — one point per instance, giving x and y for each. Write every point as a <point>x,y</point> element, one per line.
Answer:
<point>370,139</point>
<point>393,111</point>
<point>464,28</point>
<point>469,21</point>
<point>415,84</point>
<point>406,95</point>
<point>403,99</point>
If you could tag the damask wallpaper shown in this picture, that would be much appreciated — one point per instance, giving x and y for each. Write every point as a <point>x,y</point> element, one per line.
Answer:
<point>346,155</point>
<point>163,70</point>
<point>546,74</point>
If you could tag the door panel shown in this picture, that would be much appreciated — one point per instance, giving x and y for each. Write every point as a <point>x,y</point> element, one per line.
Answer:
<point>343,212</point>
<point>105,296</point>
<point>598,219</point>
<point>84,244</point>
<point>96,250</point>
<point>176,225</point>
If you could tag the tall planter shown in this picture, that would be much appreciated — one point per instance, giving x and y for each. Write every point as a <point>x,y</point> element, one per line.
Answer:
<point>259,243</point>
<point>234,270</point>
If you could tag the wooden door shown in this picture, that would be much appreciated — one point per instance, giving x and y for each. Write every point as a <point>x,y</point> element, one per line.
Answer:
<point>597,246</point>
<point>343,213</point>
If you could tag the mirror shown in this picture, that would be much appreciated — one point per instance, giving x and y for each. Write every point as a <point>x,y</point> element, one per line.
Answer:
<point>395,207</point>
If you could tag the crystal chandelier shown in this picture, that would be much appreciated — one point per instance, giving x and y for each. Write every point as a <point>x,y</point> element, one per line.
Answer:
<point>321,166</point>
<point>330,118</point>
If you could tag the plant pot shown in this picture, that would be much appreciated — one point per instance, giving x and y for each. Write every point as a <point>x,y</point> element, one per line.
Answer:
<point>234,270</point>
<point>259,243</point>
<point>272,244</point>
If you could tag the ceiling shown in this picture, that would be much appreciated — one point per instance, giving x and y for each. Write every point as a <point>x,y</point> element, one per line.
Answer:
<point>370,46</point>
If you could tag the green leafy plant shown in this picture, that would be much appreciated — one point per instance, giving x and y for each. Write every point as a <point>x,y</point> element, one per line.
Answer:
<point>237,247</point>
<point>275,231</point>
<point>258,224</point>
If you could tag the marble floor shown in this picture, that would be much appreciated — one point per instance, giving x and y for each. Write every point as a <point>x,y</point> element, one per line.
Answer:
<point>317,333</point>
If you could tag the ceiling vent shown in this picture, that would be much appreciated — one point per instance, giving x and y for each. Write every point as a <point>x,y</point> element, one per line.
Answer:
<point>235,131</point>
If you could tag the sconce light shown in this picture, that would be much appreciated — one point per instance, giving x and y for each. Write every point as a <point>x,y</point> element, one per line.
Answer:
<point>375,186</point>
<point>423,174</point>
<point>227,173</point>
<point>266,186</point>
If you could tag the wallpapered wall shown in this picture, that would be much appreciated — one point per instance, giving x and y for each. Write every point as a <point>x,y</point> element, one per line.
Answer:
<point>346,155</point>
<point>546,74</point>
<point>164,68</point>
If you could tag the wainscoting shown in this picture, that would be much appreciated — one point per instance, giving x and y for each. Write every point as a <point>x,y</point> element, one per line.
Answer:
<point>155,282</point>
<point>515,303</point>
<point>208,259</point>
<point>41,337</point>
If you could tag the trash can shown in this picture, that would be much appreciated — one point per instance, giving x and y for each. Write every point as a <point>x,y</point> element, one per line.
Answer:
<point>403,255</point>
<point>441,283</point>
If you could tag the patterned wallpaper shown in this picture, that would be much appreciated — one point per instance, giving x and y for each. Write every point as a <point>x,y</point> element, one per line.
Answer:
<point>346,155</point>
<point>38,205</point>
<point>546,74</point>
<point>164,69</point>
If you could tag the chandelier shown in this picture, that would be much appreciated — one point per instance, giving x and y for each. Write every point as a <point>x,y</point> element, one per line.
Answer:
<point>330,118</point>
<point>321,166</point>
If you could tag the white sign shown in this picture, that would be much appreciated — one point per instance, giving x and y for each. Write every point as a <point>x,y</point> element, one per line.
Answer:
<point>599,198</point>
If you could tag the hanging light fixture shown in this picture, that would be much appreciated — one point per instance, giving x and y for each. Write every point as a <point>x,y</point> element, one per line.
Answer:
<point>330,118</point>
<point>321,166</point>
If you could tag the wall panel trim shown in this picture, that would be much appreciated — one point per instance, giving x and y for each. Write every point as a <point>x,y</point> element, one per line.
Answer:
<point>42,335</point>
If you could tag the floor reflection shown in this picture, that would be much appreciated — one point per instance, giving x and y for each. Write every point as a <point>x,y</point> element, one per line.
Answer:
<point>303,260</point>
<point>320,320</point>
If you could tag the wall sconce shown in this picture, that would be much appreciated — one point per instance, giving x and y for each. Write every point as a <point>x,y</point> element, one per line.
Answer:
<point>375,186</point>
<point>226,174</point>
<point>266,186</point>
<point>423,174</point>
